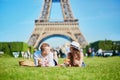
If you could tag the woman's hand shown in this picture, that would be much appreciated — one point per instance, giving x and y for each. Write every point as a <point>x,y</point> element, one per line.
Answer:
<point>67,62</point>
<point>77,63</point>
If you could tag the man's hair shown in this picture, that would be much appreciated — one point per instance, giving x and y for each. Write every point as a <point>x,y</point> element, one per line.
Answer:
<point>44,45</point>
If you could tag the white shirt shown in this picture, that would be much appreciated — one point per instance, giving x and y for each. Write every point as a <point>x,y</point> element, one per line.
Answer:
<point>48,59</point>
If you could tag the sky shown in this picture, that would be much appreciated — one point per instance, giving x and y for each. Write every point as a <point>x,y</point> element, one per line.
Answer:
<point>98,19</point>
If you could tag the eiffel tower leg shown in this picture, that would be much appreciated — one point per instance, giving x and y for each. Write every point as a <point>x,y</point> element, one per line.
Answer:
<point>45,13</point>
<point>81,40</point>
<point>66,10</point>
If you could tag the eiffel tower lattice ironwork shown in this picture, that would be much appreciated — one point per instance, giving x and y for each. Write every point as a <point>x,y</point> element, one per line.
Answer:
<point>44,28</point>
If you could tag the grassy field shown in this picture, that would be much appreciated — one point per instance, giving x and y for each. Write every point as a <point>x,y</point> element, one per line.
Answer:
<point>98,68</point>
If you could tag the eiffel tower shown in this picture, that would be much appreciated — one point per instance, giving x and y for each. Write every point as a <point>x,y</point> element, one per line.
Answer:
<point>69,27</point>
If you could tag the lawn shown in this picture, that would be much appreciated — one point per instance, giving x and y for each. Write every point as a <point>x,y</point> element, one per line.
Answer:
<point>98,68</point>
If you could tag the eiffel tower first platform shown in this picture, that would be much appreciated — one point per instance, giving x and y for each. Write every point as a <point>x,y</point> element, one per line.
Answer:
<point>69,27</point>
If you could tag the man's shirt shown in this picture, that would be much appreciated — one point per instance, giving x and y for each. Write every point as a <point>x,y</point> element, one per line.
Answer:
<point>48,59</point>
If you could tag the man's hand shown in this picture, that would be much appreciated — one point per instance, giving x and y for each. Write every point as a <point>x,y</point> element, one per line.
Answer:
<point>39,62</point>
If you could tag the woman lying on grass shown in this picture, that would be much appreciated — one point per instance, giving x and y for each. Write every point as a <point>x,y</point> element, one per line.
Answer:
<point>75,56</point>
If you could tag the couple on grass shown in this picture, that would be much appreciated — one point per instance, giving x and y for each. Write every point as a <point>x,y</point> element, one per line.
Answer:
<point>45,57</point>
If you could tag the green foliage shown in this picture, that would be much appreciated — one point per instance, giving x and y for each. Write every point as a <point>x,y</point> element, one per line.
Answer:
<point>86,49</point>
<point>15,46</point>
<point>95,45</point>
<point>4,47</point>
<point>9,47</point>
<point>25,47</point>
<point>116,45</point>
<point>104,45</point>
<point>31,49</point>
<point>98,68</point>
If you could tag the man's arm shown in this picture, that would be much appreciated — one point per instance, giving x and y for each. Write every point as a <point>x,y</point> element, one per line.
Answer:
<point>35,60</point>
<point>36,57</point>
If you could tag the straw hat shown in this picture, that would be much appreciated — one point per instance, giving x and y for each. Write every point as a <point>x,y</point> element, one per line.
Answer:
<point>76,45</point>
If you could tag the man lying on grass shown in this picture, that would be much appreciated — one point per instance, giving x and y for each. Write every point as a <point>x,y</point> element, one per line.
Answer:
<point>44,57</point>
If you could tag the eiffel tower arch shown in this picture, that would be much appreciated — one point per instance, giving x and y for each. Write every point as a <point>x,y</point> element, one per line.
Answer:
<point>44,28</point>
<point>55,35</point>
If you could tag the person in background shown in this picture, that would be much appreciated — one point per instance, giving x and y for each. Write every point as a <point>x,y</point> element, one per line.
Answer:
<point>44,56</point>
<point>28,53</point>
<point>89,52</point>
<point>99,52</point>
<point>93,52</point>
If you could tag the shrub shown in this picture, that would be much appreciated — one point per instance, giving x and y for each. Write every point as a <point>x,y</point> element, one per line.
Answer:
<point>9,47</point>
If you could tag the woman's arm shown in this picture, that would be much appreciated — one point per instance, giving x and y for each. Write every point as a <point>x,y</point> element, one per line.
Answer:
<point>67,60</point>
<point>81,58</point>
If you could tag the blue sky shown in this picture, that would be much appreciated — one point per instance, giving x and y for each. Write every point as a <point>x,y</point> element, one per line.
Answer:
<point>98,19</point>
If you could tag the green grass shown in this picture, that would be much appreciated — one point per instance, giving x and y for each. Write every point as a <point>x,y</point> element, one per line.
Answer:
<point>98,68</point>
